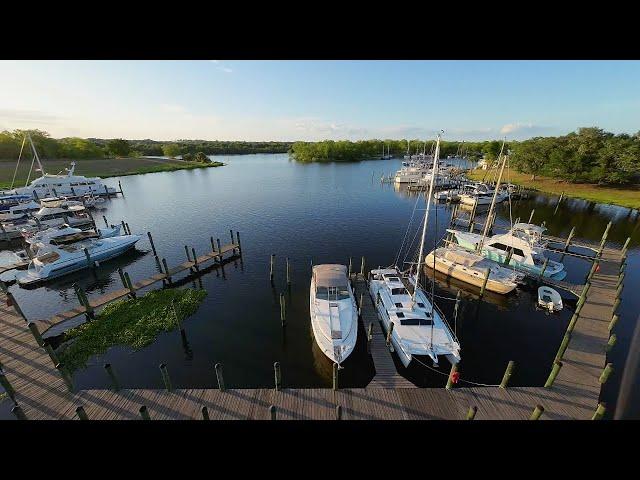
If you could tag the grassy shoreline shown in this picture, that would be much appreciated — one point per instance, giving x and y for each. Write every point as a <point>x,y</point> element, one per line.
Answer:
<point>623,196</point>
<point>101,167</point>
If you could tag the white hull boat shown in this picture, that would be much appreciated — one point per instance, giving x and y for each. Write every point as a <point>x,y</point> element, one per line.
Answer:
<point>334,315</point>
<point>62,260</point>
<point>21,210</point>
<point>549,299</point>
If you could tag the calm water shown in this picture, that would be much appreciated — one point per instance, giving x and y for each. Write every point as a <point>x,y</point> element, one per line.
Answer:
<point>320,213</point>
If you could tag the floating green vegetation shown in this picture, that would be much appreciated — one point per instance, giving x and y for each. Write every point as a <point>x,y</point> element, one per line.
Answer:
<point>135,323</point>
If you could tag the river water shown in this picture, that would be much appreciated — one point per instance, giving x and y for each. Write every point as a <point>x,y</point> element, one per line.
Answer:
<point>320,213</point>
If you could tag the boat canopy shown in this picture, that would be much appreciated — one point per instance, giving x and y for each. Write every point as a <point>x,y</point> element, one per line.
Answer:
<point>461,257</point>
<point>330,275</point>
<point>529,228</point>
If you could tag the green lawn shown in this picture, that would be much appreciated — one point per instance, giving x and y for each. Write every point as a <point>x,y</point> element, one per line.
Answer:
<point>624,196</point>
<point>102,167</point>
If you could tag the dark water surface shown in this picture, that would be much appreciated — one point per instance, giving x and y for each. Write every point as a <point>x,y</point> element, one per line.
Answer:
<point>320,213</point>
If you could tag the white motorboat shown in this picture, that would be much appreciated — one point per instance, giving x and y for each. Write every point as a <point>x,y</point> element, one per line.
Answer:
<point>549,299</point>
<point>51,217</point>
<point>39,242</point>
<point>334,314</point>
<point>59,202</point>
<point>447,196</point>
<point>480,194</point>
<point>64,259</point>
<point>417,326</point>
<point>59,184</point>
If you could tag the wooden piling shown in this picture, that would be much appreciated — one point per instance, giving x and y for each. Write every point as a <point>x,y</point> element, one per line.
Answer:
<point>558,204</point>
<point>362,265</point>
<point>604,238</point>
<point>531,216</point>
<point>186,251</point>
<point>153,247</point>
<point>600,411</point>
<point>349,267</point>
<point>115,385</point>
<point>165,377</point>
<point>8,388</point>
<point>205,413</point>
<point>277,375</point>
<point>612,323</point>
<point>335,377</point>
<point>120,187</point>
<point>369,337</point>
<point>129,285</point>
<point>389,333</point>
<point>606,373</point>
<point>484,283</point>
<point>507,374</point>
<point>144,413</point>
<point>213,245</point>
<point>90,262</point>
<point>195,259</point>
<point>166,270</point>
<point>537,412</point>
<point>471,414</point>
<point>65,376</point>
<point>288,273</point>
<point>563,346</point>
<point>283,313</point>
<point>219,377</point>
<point>271,264</point>
<point>18,412</point>
<point>272,412</point>
<point>338,412</point>
<point>554,373</point>
<point>612,341</point>
<point>106,224</point>
<point>82,415</point>
<point>36,333</point>
<point>625,246</point>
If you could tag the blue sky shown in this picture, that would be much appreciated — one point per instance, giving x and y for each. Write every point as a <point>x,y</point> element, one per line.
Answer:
<point>314,100</point>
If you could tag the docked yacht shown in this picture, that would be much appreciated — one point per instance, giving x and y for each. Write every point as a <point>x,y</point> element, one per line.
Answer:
<point>410,173</point>
<point>39,242</point>
<point>522,249</point>
<point>469,267</point>
<point>64,259</point>
<point>19,211</point>
<point>334,314</point>
<point>74,215</point>
<point>417,326</point>
<point>480,194</point>
<point>60,184</point>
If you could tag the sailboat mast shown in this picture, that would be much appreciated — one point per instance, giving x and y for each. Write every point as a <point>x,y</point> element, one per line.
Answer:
<point>493,201</point>
<point>35,153</point>
<point>426,215</point>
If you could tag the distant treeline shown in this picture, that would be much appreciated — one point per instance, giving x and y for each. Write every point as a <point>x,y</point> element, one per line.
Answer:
<point>589,155</point>
<point>346,151</point>
<point>90,148</point>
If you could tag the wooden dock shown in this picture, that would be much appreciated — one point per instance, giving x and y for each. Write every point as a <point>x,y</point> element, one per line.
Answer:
<point>386,375</point>
<point>42,392</point>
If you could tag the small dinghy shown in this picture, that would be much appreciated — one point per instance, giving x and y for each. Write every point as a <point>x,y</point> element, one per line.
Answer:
<point>549,299</point>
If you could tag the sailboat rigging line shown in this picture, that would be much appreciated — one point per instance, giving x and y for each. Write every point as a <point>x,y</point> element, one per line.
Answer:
<point>460,379</point>
<point>30,170</point>
<point>18,164</point>
<point>407,230</point>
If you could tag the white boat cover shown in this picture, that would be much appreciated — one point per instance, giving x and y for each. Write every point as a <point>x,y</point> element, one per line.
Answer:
<point>330,275</point>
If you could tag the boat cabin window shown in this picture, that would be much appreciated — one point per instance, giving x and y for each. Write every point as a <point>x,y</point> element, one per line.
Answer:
<point>332,293</point>
<point>399,305</point>
<point>400,315</point>
<point>416,321</point>
<point>500,246</point>
<point>421,305</point>
<point>517,251</point>
<point>399,291</point>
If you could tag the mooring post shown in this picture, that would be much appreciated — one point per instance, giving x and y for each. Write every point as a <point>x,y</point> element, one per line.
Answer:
<point>484,283</point>
<point>288,274</point>
<point>563,346</point>
<point>153,247</point>
<point>277,374</point>
<point>612,341</point>
<point>620,280</point>
<point>65,376</point>
<point>82,415</point>
<point>573,321</point>
<point>132,292</point>
<point>272,412</point>
<point>52,354</point>
<point>8,388</point>
<point>471,414</point>
<point>124,227</point>
<point>112,376</point>
<point>205,413</point>
<point>271,262</point>
<point>283,313</point>
<point>604,239</point>
<point>600,410</point>
<point>612,323</point>
<point>451,378</point>
<point>554,373</point>
<point>106,224</point>
<point>36,333</point>
<point>186,250</point>
<point>195,259</point>
<point>84,301</point>
<point>569,238</point>
<point>544,268</point>
<point>625,246</point>
<point>144,413</point>
<point>558,204</point>
<point>165,377</point>
<point>90,262</point>
<point>537,412</point>
<point>338,412</point>
<point>213,245</point>
<point>362,265</point>
<point>594,267</point>
<point>219,377</point>
<point>606,373</point>
<point>120,187</point>
<point>389,333</point>
<point>18,412</point>
<point>166,270</point>
<point>531,216</point>
<point>335,376</point>
<point>349,268</point>
<point>239,244</point>
<point>507,374</point>
<point>360,305</point>
<point>616,304</point>
<point>369,337</point>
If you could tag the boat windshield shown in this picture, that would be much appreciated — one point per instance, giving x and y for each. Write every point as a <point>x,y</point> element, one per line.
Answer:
<point>332,293</point>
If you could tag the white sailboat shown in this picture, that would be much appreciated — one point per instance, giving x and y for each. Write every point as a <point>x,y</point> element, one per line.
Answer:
<point>417,326</point>
<point>334,314</point>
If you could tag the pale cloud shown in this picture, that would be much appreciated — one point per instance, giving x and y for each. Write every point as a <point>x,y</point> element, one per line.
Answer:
<point>221,67</point>
<point>527,130</point>
<point>16,118</point>
<point>172,108</point>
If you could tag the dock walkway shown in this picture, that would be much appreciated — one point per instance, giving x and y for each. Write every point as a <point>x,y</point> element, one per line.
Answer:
<point>41,391</point>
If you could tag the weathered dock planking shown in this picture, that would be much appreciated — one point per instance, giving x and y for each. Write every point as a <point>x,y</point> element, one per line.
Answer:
<point>42,393</point>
